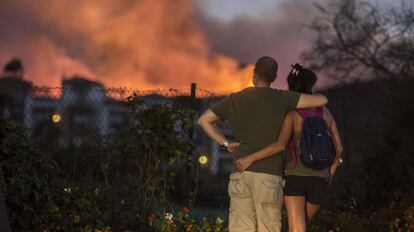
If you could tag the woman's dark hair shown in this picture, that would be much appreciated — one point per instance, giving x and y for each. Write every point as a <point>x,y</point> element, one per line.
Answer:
<point>301,79</point>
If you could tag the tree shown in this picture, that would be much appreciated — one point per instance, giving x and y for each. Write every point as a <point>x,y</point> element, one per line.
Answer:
<point>14,67</point>
<point>358,40</point>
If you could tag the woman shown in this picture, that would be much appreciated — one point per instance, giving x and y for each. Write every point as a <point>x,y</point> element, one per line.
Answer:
<point>305,188</point>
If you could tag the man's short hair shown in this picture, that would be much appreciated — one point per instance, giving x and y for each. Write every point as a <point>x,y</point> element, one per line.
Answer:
<point>266,69</point>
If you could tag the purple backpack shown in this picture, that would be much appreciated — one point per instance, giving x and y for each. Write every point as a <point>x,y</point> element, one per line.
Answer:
<point>316,147</point>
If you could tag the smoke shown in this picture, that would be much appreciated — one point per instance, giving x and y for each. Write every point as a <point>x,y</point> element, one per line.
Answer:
<point>142,44</point>
<point>279,31</point>
<point>147,44</point>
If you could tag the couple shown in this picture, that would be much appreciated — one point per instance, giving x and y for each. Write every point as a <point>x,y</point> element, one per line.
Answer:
<point>264,122</point>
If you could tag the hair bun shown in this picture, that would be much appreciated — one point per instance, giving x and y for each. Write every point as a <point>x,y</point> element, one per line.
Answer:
<point>296,69</point>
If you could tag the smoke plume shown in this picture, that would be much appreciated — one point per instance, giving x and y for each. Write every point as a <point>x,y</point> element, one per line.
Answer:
<point>280,31</point>
<point>148,44</point>
<point>142,44</point>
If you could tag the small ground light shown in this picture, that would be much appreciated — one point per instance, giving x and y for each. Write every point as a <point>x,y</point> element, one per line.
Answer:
<point>56,118</point>
<point>203,159</point>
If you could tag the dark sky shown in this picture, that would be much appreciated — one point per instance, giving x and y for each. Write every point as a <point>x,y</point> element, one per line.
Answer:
<point>246,29</point>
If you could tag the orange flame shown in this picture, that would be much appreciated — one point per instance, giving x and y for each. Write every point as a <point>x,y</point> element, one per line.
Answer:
<point>144,44</point>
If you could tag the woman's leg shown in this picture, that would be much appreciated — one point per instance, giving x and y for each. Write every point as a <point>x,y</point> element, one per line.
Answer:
<point>295,206</point>
<point>317,193</point>
<point>311,210</point>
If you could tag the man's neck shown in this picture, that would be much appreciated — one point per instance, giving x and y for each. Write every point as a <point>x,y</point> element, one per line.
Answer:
<point>261,85</point>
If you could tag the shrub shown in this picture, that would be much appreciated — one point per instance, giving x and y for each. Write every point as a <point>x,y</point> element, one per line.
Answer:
<point>167,222</point>
<point>25,175</point>
<point>104,183</point>
<point>343,221</point>
<point>405,222</point>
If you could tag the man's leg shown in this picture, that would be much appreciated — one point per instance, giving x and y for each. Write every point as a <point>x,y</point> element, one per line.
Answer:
<point>268,200</point>
<point>242,216</point>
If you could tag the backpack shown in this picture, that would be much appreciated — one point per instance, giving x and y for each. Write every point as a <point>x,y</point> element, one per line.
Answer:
<point>316,147</point>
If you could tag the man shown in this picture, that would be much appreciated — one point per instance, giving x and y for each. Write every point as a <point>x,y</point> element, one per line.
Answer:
<point>255,115</point>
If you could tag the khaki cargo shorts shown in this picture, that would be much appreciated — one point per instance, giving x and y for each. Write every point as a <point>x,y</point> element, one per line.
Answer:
<point>255,202</point>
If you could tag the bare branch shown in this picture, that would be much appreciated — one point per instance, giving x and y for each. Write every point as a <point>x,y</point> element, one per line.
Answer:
<point>357,36</point>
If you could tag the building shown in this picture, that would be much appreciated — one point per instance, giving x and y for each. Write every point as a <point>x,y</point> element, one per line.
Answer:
<point>13,94</point>
<point>60,117</point>
<point>78,109</point>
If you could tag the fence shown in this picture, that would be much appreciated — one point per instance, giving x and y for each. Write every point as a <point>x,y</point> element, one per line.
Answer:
<point>84,106</point>
<point>81,108</point>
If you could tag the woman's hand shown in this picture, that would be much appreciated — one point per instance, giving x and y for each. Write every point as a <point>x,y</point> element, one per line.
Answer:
<point>332,170</point>
<point>334,166</point>
<point>243,163</point>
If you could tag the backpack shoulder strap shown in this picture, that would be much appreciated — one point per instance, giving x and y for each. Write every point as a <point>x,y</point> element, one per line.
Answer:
<point>293,151</point>
<point>303,113</point>
<point>319,112</point>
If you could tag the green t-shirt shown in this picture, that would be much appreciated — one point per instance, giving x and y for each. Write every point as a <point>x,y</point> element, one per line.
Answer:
<point>255,115</point>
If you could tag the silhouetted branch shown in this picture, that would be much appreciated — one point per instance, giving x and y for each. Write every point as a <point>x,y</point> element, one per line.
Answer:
<point>358,40</point>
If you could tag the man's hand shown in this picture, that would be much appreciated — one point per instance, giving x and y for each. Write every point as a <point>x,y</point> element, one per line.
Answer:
<point>233,147</point>
<point>243,163</point>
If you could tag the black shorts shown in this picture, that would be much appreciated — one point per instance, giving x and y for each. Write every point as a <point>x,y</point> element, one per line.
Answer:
<point>314,189</point>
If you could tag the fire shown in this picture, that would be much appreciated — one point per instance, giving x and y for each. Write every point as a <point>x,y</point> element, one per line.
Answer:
<point>146,44</point>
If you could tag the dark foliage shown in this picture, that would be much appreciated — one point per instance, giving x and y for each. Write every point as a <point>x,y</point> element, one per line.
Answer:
<point>368,50</point>
<point>14,66</point>
<point>113,181</point>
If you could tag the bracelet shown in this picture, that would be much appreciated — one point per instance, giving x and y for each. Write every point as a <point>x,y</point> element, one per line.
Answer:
<point>224,146</point>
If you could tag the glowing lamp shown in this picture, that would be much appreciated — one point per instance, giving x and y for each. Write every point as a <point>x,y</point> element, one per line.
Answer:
<point>56,118</point>
<point>203,159</point>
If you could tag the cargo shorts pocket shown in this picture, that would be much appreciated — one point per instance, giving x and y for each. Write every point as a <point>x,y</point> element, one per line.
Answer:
<point>269,189</point>
<point>236,186</point>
